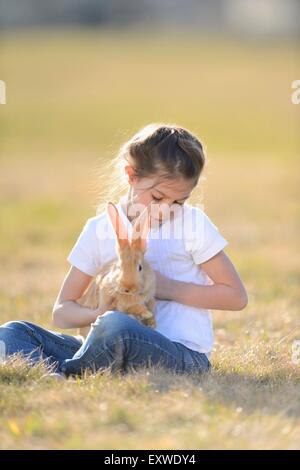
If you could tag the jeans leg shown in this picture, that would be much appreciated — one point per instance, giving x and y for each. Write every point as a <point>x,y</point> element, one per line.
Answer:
<point>123,343</point>
<point>194,361</point>
<point>37,343</point>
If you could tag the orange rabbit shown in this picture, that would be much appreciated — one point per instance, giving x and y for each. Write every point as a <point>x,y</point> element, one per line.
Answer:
<point>127,284</point>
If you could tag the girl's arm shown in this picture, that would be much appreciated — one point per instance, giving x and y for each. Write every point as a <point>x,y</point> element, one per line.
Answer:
<point>227,292</point>
<point>67,313</point>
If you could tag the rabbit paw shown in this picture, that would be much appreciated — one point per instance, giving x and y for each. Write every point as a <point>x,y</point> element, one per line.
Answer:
<point>150,322</point>
<point>148,314</point>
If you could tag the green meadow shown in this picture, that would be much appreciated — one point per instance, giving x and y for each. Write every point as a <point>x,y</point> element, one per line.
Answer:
<point>73,97</point>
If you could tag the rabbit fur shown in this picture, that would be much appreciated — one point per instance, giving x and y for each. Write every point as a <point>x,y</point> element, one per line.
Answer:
<point>127,284</point>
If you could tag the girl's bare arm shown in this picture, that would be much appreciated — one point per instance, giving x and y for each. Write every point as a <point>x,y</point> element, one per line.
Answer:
<point>67,313</point>
<point>227,292</point>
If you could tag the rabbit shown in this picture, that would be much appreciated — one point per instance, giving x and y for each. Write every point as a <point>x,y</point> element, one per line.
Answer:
<point>129,283</point>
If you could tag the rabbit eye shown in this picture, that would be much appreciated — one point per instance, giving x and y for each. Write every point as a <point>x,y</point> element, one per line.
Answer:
<point>140,267</point>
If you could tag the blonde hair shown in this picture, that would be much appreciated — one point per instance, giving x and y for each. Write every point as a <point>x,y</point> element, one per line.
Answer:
<point>163,150</point>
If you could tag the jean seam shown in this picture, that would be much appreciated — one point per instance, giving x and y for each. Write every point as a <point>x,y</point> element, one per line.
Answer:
<point>61,343</point>
<point>40,347</point>
<point>33,335</point>
<point>203,362</point>
<point>119,340</point>
<point>154,344</point>
<point>151,343</point>
<point>198,358</point>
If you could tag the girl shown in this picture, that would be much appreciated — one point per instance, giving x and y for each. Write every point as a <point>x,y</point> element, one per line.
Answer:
<point>162,164</point>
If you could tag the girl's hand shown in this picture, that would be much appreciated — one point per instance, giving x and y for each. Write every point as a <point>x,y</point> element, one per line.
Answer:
<point>101,310</point>
<point>163,286</point>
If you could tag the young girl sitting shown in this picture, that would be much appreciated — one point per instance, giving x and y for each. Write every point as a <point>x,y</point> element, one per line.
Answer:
<point>162,164</point>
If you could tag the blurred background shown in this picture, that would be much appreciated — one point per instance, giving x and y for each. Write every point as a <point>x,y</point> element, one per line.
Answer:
<point>82,76</point>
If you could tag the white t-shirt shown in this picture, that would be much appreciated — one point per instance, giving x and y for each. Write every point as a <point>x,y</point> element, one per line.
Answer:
<point>175,248</point>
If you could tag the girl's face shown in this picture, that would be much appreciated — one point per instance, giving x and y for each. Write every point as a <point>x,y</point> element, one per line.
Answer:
<point>162,194</point>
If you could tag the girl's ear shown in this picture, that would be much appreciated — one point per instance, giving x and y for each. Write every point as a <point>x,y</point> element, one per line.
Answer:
<point>140,229</point>
<point>118,226</point>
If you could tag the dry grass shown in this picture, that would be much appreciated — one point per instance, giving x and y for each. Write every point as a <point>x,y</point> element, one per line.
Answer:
<point>68,109</point>
<point>151,408</point>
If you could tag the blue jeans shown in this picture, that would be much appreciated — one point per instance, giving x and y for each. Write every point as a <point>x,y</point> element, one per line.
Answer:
<point>115,340</point>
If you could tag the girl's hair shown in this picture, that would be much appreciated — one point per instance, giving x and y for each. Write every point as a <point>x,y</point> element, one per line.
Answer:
<point>157,150</point>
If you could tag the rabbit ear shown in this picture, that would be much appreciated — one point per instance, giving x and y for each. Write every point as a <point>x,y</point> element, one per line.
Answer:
<point>140,230</point>
<point>119,227</point>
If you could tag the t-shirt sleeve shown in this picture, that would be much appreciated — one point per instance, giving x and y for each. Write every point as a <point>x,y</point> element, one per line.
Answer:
<point>202,238</point>
<point>85,254</point>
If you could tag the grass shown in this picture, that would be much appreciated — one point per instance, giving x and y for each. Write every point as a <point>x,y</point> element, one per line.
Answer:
<point>73,98</point>
<point>151,408</point>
